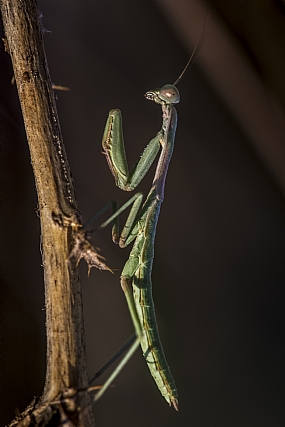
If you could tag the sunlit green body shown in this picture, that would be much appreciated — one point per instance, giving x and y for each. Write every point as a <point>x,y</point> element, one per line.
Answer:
<point>142,227</point>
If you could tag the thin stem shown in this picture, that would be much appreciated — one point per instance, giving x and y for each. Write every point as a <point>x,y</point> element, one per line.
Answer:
<point>66,358</point>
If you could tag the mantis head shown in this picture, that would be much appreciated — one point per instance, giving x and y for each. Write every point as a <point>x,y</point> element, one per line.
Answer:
<point>168,94</point>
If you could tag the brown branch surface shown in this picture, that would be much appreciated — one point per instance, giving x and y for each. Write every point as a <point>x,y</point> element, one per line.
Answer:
<point>66,359</point>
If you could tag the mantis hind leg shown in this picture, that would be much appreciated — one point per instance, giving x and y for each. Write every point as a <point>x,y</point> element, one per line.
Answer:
<point>126,283</point>
<point>118,369</point>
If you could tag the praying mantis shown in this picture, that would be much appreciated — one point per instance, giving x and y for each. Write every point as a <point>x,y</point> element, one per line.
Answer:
<point>141,227</point>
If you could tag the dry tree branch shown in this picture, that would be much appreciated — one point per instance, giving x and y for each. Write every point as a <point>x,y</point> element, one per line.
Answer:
<point>60,225</point>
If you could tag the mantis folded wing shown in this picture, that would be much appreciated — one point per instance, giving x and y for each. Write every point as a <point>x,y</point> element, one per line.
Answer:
<point>141,227</point>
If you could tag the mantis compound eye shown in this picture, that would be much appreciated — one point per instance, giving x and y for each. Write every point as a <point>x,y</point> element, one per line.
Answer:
<point>169,94</point>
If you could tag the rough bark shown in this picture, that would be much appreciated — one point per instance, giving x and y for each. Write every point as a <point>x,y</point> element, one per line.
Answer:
<point>60,221</point>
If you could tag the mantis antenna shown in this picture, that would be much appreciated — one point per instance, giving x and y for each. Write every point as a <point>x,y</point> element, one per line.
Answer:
<point>198,44</point>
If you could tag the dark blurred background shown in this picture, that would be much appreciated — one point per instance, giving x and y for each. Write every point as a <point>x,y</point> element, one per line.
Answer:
<point>219,271</point>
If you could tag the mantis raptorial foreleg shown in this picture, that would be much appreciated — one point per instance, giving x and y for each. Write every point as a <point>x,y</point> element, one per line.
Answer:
<point>141,226</point>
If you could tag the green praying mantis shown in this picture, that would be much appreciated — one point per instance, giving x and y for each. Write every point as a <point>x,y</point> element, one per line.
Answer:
<point>140,227</point>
